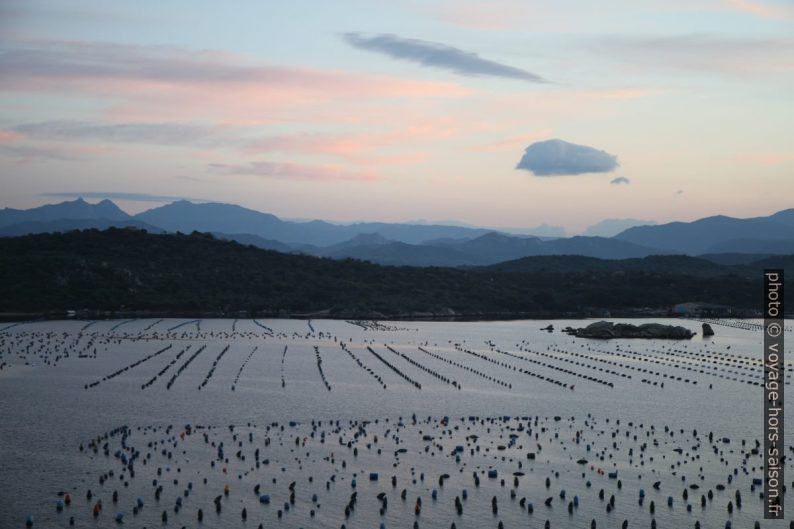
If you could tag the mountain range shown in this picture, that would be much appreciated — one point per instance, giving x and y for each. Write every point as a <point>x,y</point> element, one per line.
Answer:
<point>720,239</point>
<point>718,234</point>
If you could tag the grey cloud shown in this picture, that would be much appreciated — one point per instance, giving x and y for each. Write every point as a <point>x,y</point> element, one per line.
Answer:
<point>152,133</point>
<point>558,157</point>
<point>50,64</point>
<point>107,61</point>
<point>620,180</point>
<point>291,170</point>
<point>27,153</point>
<point>119,195</point>
<point>437,55</point>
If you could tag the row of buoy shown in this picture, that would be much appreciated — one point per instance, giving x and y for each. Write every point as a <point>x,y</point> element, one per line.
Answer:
<point>242,366</point>
<point>283,360</point>
<point>573,362</point>
<point>213,367</point>
<point>373,325</point>
<point>556,368</point>
<point>361,364</point>
<point>184,366</point>
<point>388,364</point>
<point>166,367</point>
<point>460,365</point>
<point>424,368</point>
<point>184,323</point>
<point>131,366</point>
<point>267,329</point>
<point>319,361</point>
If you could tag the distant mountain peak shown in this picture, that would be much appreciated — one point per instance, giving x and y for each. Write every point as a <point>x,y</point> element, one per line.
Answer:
<point>496,236</point>
<point>77,209</point>
<point>708,234</point>
<point>612,227</point>
<point>362,239</point>
<point>370,238</point>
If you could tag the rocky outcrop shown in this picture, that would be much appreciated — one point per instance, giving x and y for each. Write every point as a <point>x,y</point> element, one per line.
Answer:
<point>606,330</point>
<point>707,330</point>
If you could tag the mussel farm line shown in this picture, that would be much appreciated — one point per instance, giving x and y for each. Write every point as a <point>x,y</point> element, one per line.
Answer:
<point>167,366</point>
<point>319,361</point>
<point>131,366</point>
<point>388,364</point>
<point>283,359</point>
<point>424,368</point>
<point>213,367</point>
<point>242,366</point>
<point>184,323</point>
<point>460,365</point>
<point>184,366</point>
<point>363,366</point>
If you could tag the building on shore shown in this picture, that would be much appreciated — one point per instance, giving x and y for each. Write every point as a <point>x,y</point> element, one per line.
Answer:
<point>698,309</point>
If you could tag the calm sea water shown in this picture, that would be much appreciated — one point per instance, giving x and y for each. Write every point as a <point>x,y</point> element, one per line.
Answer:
<point>63,384</point>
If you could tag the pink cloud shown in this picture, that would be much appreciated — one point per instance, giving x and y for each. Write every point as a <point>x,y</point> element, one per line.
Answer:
<point>501,15</point>
<point>161,82</point>
<point>514,143</point>
<point>781,10</point>
<point>8,135</point>
<point>767,159</point>
<point>380,160</point>
<point>361,148</point>
<point>760,9</point>
<point>346,145</point>
<point>334,144</point>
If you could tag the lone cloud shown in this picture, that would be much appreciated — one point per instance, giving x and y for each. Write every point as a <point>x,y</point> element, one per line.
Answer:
<point>437,55</point>
<point>557,157</point>
<point>620,180</point>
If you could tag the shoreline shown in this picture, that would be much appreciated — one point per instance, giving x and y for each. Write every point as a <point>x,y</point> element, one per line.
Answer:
<point>372,316</point>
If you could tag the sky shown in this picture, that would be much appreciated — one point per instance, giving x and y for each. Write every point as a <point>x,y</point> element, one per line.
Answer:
<point>500,113</point>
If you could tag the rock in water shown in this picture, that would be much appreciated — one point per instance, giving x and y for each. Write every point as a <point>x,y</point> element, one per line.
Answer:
<point>606,330</point>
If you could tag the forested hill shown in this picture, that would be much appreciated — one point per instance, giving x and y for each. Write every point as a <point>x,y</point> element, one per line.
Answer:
<point>128,269</point>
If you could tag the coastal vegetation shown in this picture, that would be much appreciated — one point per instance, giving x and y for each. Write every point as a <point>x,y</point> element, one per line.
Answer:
<point>131,270</point>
